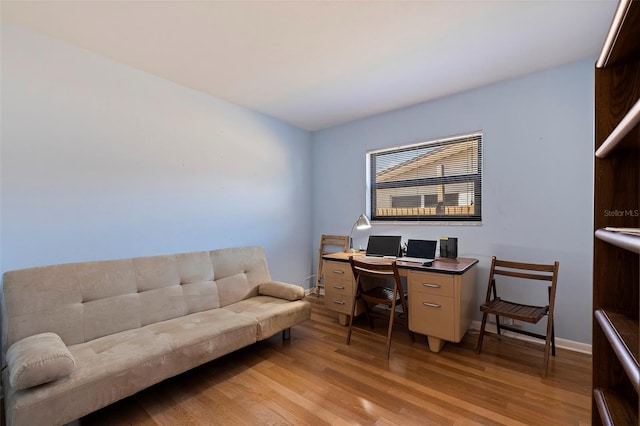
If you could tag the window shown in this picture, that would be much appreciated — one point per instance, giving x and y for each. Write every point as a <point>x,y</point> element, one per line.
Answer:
<point>432,181</point>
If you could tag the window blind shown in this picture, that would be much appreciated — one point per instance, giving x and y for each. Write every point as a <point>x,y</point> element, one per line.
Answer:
<point>438,180</point>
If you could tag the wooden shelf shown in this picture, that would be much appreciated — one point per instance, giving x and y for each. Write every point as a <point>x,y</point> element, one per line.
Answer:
<point>622,333</point>
<point>620,43</point>
<point>626,241</point>
<point>613,409</point>
<point>628,123</point>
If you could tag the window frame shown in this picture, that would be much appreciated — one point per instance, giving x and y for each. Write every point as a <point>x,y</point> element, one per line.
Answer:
<point>476,178</point>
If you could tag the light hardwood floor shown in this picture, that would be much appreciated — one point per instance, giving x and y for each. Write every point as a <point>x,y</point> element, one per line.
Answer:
<point>316,379</point>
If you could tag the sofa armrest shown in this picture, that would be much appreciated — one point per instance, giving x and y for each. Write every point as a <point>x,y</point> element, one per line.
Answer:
<point>38,359</point>
<point>281,290</point>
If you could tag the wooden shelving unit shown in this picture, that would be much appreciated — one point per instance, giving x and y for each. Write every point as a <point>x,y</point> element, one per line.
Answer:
<point>627,242</point>
<point>616,266</point>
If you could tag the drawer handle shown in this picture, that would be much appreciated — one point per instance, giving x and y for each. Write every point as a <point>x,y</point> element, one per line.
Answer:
<point>337,271</point>
<point>431,305</point>
<point>339,287</point>
<point>431,285</point>
<point>338,302</point>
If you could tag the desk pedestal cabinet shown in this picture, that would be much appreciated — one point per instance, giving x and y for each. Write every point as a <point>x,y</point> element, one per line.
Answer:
<point>440,297</point>
<point>340,288</point>
<point>441,305</point>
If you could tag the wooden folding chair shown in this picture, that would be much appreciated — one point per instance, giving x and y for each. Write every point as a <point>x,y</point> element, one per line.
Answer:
<point>329,244</point>
<point>521,312</point>
<point>382,272</point>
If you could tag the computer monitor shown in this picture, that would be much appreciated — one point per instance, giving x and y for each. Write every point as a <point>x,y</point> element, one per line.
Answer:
<point>422,248</point>
<point>384,245</point>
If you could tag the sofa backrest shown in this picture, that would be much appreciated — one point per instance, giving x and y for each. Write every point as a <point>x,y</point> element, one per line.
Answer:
<point>83,301</point>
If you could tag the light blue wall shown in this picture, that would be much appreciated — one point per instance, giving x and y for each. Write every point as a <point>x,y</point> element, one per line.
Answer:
<point>100,161</point>
<point>538,162</point>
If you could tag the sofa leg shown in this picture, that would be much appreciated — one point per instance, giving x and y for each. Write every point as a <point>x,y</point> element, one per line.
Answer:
<point>286,334</point>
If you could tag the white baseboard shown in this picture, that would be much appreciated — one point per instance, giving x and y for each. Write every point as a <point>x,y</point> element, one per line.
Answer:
<point>560,343</point>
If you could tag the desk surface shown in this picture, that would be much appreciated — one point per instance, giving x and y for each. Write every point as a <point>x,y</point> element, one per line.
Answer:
<point>442,266</point>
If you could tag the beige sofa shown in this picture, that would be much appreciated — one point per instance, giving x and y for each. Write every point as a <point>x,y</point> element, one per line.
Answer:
<point>77,337</point>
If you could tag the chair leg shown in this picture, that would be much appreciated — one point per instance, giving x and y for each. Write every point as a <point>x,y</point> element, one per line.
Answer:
<point>549,341</point>
<point>390,331</point>
<point>349,329</point>
<point>367,314</point>
<point>481,335</point>
<point>553,339</point>
<point>353,311</point>
<point>495,296</point>
<point>546,355</point>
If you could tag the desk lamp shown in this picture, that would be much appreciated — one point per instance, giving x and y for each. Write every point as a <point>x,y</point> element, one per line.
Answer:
<point>361,223</point>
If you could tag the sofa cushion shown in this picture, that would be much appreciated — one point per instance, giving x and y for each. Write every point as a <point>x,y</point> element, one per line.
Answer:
<point>38,359</point>
<point>238,272</point>
<point>272,314</point>
<point>281,290</point>
<point>50,299</point>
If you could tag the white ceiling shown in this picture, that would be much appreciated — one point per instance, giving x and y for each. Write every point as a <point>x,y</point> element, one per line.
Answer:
<point>315,64</point>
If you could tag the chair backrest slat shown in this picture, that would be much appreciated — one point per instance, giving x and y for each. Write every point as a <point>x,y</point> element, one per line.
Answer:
<point>371,273</point>
<point>525,275</point>
<point>523,265</point>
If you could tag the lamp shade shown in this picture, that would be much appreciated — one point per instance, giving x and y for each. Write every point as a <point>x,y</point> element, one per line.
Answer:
<point>363,222</point>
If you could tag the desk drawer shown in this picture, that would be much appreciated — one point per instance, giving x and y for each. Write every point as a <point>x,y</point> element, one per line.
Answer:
<point>337,270</point>
<point>430,283</point>
<point>340,303</point>
<point>339,287</point>
<point>432,315</point>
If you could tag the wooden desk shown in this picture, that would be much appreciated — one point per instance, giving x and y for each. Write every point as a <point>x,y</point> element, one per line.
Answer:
<point>440,296</point>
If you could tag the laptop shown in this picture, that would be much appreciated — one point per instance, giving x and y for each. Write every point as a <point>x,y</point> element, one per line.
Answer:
<point>420,251</point>
<point>384,246</point>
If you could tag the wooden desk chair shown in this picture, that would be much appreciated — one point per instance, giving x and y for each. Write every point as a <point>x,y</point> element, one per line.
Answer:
<point>382,272</point>
<point>527,313</point>
<point>329,244</point>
